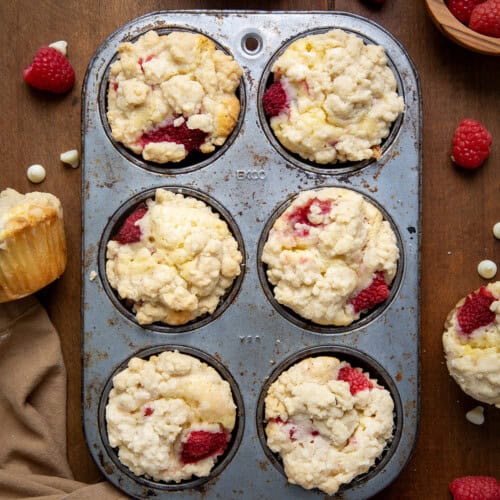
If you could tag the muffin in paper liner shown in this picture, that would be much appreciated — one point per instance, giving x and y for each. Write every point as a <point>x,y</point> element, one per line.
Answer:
<point>32,243</point>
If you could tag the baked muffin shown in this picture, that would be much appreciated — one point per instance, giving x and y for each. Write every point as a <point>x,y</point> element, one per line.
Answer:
<point>471,342</point>
<point>172,259</point>
<point>172,94</point>
<point>170,416</point>
<point>32,242</point>
<point>331,256</point>
<point>328,421</point>
<point>333,99</point>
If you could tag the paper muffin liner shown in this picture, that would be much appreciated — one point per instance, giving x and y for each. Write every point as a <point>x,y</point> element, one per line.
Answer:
<point>32,258</point>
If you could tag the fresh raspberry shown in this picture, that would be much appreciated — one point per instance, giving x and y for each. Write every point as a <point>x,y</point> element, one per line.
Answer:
<point>130,232</point>
<point>475,488</point>
<point>203,444</point>
<point>476,312</point>
<point>471,144</point>
<point>275,100</point>
<point>355,378</point>
<point>191,138</point>
<point>301,214</point>
<point>485,18</point>
<point>462,9</point>
<point>375,293</point>
<point>50,71</point>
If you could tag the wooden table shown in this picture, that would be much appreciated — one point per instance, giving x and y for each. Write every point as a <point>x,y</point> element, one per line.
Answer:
<point>459,208</point>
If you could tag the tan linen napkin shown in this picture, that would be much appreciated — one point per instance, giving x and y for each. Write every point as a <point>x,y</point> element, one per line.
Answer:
<point>33,461</point>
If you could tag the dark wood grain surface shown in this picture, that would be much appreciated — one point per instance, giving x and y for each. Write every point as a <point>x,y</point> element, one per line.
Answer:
<point>459,208</point>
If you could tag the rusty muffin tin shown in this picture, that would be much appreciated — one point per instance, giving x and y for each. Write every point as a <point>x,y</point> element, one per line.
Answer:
<point>250,339</point>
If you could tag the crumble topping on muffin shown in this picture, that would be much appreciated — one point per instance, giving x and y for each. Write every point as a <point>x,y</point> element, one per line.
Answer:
<point>471,342</point>
<point>328,421</point>
<point>331,256</point>
<point>170,416</point>
<point>20,211</point>
<point>173,259</point>
<point>334,98</point>
<point>172,94</point>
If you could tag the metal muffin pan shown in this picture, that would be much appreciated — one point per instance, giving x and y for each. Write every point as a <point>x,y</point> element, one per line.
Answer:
<point>247,181</point>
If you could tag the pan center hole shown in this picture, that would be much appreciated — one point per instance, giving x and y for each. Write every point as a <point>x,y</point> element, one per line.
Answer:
<point>251,43</point>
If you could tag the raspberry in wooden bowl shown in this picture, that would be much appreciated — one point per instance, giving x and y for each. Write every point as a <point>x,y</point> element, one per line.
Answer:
<point>172,99</point>
<point>330,100</point>
<point>171,417</point>
<point>459,32</point>
<point>172,259</point>
<point>329,258</point>
<point>471,342</point>
<point>329,418</point>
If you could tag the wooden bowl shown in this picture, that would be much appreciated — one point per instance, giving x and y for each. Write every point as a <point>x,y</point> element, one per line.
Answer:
<point>451,27</point>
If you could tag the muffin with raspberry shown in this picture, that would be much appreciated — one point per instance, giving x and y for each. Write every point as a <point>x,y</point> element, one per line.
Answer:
<point>172,259</point>
<point>471,342</point>
<point>331,256</point>
<point>334,98</point>
<point>328,421</point>
<point>173,94</point>
<point>170,417</point>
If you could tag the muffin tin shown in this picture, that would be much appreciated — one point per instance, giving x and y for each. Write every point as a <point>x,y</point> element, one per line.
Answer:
<point>248,181</point>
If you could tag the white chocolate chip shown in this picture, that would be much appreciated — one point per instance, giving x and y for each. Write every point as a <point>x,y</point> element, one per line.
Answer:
<point>179,121</point>
<point>61,46</point>
<point>92,275</point>
<point>496,230</point>
<point>476,415</point>
<point>36,173</point>
<point>487,269</point>
<point>70,157</point>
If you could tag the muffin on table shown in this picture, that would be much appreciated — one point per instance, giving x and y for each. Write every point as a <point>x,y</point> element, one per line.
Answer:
<point>331,256</point>
<point>172,94</point>
<point>328,421</point>
<point>32,242</point>
<point>170,416</point>
<point>172,259</point>
<point>471,342</point>
<point>334,98</point>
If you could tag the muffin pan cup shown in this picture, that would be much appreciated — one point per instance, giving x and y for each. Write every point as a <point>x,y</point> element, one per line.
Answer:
<point>251,179</point>
<point>357,359</point>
